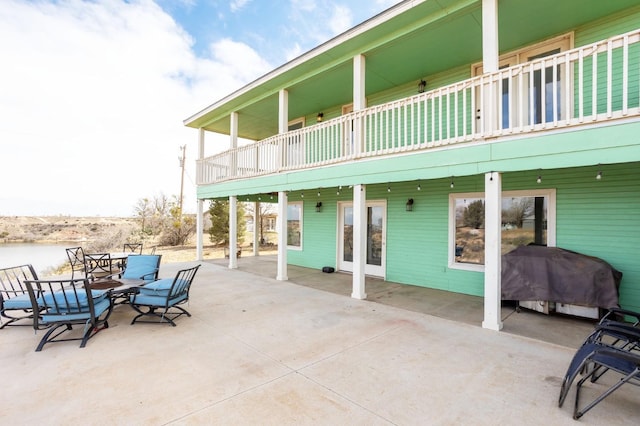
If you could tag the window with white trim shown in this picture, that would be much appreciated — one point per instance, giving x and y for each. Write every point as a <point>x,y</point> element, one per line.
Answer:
<point>528,217</point>
<point>294,225</point>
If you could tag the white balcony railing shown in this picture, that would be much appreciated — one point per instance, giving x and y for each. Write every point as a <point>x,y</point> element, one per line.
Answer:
<point>597,82</point>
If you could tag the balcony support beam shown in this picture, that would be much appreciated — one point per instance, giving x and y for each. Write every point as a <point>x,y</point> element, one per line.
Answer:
<point>282,236</point>
<point>283,123</point>
<point>359,102</point>
<point>492,250</point>
<point>490,47</point>
<point>200,207</point>
<point>233,232</point>
<point>359,241</point>
<point>257,228</point>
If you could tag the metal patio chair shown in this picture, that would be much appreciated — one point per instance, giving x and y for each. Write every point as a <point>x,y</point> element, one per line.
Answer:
<point>77,261</point>
<point>610,349</point>
<point>141,267</point>
<point>132,248</point>
<point>100,265</point>
<point>65,303</point>
<point>161,299</point>
<point>15,304</point>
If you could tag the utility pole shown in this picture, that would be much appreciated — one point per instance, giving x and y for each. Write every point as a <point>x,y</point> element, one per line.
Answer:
<point>181,158</point>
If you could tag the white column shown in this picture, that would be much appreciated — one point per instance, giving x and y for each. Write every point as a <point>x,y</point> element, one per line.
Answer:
<point>233,130</point>
<point>233,143</point>
<point>233,232</point>
<point>199,229</point>
<point>359,101</point>
<point>490,64</point>
<point>492,254</point>
<point>256,228</point>
<point>359,95</point>
<point>283,111</point>
<point>359,240</point>
<point>200,208</point>
<point>490,48</point>
<point>282,236</point>
<point>283,124</point>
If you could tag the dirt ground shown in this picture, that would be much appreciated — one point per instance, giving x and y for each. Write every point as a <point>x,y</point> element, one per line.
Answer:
<point>84,230</point>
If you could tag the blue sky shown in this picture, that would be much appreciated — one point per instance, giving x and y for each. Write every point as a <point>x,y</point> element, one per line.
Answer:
<point>93,93</point>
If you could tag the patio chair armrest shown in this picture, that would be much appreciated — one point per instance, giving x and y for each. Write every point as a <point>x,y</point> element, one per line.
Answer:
<point>153,273</point>
<point>618,312</point>
<point>629,332</point>
<point>631,357</point>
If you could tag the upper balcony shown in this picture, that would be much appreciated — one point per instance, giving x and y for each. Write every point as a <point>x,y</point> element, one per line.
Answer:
<point>594,83</point>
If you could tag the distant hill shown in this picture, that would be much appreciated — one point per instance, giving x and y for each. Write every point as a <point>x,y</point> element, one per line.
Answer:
<point>62,228</point>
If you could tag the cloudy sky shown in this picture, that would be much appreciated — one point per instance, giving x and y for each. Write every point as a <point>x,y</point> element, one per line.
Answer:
<point>93,93</point>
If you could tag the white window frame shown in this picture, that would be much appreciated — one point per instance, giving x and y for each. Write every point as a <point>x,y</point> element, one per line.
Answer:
<point>300,204</point>
<point>550,193</point>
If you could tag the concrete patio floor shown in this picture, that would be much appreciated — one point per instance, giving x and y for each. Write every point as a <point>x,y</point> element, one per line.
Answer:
<point>261,351</point>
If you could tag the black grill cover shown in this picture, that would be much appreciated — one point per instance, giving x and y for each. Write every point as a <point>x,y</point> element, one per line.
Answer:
<point>557,275</point>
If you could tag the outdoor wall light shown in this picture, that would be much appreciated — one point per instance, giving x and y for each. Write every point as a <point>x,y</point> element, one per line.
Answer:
<point>419,187</point>
<point>320,117</point>
<point>318,206</point>
<point>599,175</point>
<point>409,205</point>
<point>451,185</point>
<point>421,86</point>
<point>539,180</point>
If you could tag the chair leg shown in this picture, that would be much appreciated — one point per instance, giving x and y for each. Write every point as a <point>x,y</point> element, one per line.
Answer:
<point>48,335</point>
<point>92,331</point>
<point>577,413</point>
<point>165,316</point>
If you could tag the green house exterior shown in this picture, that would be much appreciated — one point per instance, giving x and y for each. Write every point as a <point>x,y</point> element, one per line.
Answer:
<point>532,104</point>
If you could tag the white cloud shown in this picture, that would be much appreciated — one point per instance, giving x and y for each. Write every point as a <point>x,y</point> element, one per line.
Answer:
<point>236,5</point>
<point>92,98</point>
<point>340,20</point>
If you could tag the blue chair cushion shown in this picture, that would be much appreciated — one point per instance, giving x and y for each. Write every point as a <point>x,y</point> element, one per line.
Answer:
<point>19,302</point>
<point>141,267</point>
<point>69,300</point>
<point>54,316</point>
<point>161,287</point>
<point>156,300</point>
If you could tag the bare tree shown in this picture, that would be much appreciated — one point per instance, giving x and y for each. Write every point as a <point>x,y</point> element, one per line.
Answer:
<point>265,210</point>
<point>520,208</point>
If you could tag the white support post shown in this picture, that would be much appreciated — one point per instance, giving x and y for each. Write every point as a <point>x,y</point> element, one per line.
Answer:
<point>200,211</point>
<point>492,250</point>
<point>233,232</point>
<point>359,77</point>
<point>490,64</point>
<point>283,124</point>
<point>199,229</point>
<point>359,240</point>
<point>233,143</point>
<point>256,229</point>
<point>282,236</point>
<point>359,101</point>
<point>490,47</point>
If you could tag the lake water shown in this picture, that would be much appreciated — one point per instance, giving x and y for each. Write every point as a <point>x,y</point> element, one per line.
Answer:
<point>43,257</point>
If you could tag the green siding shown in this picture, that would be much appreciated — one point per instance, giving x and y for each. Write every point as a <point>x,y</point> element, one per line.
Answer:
<point>595,217</point>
